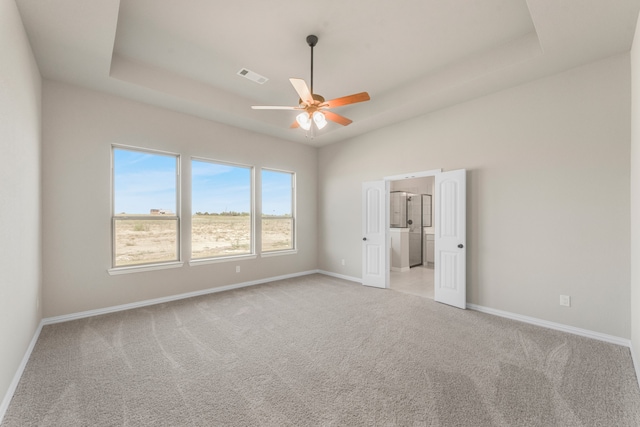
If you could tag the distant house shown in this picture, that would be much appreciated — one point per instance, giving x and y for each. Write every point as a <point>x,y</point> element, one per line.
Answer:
<point>160,212</point>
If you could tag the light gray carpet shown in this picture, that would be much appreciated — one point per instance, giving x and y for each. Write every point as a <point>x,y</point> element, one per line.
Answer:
<point>316,351</point>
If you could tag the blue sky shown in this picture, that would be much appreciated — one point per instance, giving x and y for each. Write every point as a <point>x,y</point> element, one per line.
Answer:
<point>276,193</point>
<point>145,181</point>
<point>220,188</point>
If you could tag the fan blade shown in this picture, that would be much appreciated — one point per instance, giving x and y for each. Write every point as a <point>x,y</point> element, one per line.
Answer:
<point>337,118</point>
<point>303,90</point>
<point>346,100</point>
<point>294,125</point>
<point>273,107</point>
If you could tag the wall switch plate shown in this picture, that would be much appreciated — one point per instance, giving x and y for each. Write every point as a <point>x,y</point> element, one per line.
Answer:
<point>237,269</point>
<point>565,300</point>
<point>342,262</point>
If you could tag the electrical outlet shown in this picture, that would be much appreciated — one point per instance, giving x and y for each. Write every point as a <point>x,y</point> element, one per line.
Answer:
<point>565,300</point>
<point>343,262</point>
<point>237,269</point>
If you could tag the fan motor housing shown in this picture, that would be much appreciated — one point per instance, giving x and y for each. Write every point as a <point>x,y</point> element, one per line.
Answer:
<point>318,99</point>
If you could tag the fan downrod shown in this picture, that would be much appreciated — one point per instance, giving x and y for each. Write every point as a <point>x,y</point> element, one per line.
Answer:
<point>312,41</point>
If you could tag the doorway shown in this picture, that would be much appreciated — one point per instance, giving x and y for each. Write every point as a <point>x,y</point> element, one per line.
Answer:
<point>449,225</point>
<point>412,230</point>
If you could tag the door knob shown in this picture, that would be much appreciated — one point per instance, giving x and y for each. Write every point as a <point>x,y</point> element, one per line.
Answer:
<point>364,238</point>
<point>461,246</point>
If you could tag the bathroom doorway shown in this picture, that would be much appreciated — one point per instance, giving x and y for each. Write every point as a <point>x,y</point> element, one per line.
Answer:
<point>411,230</point>
<point>449,234</point>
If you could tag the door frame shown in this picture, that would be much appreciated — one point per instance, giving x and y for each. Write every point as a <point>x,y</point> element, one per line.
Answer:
<point>388,180</point>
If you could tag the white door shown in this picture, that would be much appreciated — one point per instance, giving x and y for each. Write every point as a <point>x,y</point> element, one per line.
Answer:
<point>375,257</point>
<point>450,284</point>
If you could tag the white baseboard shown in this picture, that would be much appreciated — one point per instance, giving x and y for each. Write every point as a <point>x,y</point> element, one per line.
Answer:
<point>340,276</point>
<point>16,378</point>
<point>635,363</point>
<point>116,308</point>
<point>552,325</point>
<point>400,269</point>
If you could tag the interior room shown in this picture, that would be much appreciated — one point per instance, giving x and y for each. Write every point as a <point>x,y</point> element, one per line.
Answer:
<point>411,232</point>
<point>536,101</point>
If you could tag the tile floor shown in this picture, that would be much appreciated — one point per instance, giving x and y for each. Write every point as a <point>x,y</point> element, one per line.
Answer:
<point>417,281</point>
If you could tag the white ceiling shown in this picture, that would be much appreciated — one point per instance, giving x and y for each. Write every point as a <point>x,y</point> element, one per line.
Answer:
<point>412,56</point>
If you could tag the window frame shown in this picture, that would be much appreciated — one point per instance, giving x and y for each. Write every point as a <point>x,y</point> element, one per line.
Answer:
<point>155,265</point>
<point>252,215</point>
<point>294,215</point>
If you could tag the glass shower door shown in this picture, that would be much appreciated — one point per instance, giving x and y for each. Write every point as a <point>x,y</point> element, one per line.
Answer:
<point>414,222</point>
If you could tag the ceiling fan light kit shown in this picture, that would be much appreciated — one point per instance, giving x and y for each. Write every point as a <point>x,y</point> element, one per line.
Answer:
<point>319,119</point>
<point>315,110</point>
<point>304,121</point>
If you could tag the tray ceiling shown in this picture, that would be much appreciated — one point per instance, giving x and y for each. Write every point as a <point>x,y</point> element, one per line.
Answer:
<point>412,56</point>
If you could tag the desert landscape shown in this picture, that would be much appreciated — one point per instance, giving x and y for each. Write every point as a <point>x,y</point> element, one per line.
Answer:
<point>149,240</point>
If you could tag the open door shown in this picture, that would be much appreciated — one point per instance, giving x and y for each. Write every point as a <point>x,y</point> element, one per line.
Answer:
<point>375,257</point>
<point>450,282</point>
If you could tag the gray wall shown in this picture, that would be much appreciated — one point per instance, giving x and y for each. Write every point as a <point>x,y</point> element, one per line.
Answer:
<point>635,194</point>
<point>79,127</point>
<point>548,193</point>
<point>19,193</point>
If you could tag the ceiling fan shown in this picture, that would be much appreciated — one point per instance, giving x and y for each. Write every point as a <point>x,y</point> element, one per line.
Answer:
<point>314,107</point>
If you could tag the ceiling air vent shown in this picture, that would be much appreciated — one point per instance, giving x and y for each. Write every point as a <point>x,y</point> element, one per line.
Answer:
<point>252,76</point>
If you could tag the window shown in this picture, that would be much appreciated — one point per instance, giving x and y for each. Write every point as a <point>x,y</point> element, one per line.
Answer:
<point>221,200</point>
<point>145,219</point>
<point>278,203</point>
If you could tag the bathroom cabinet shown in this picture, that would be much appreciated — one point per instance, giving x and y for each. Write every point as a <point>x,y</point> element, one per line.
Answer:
<point>429,248</point>
<point>399,249</point>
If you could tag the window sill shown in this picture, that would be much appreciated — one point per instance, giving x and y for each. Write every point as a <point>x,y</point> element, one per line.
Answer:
<point>205,261</point>
<point>140,268</point>
<point>279,253</point>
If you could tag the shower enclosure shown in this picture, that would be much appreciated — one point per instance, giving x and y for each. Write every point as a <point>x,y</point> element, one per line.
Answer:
<point>407,211</point>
